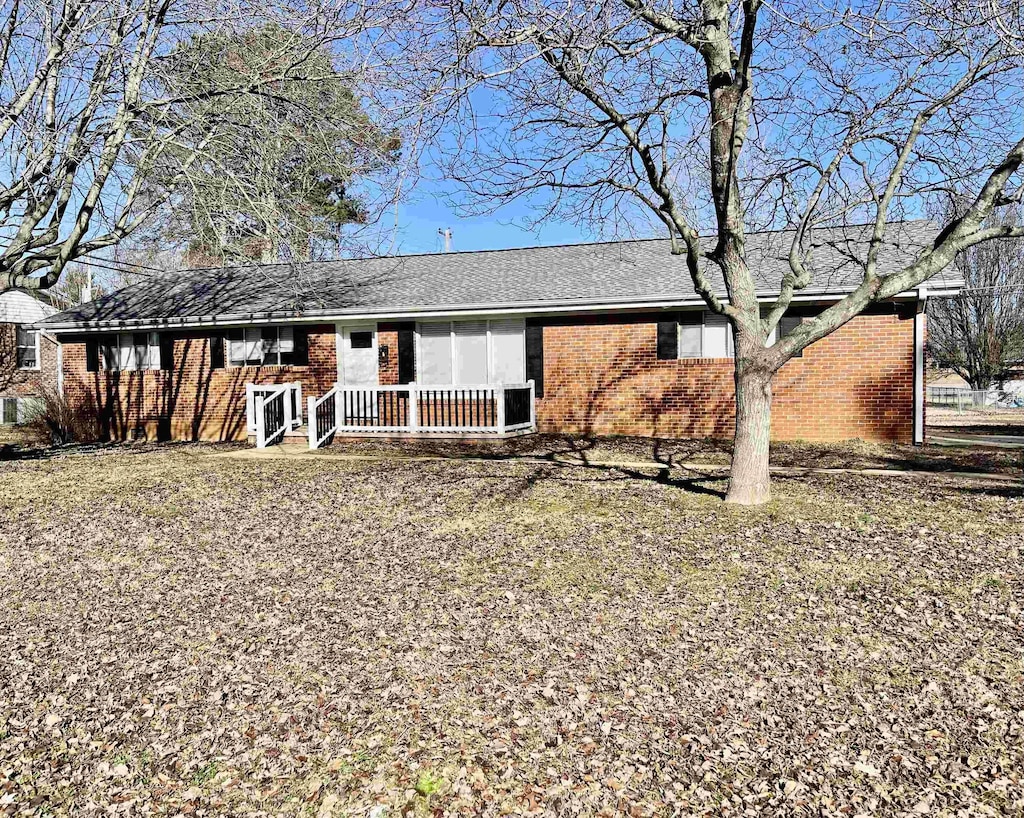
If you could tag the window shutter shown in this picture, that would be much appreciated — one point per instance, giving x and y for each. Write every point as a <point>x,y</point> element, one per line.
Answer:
<point>300,357</point>
<point>216,352</point>
<point>166,354</point>
<point>110,352</point>
<point>406,353</point>
<point>535,357</point>
<point>668,339</point>
<point>787,324</point>
<point>92,355</point>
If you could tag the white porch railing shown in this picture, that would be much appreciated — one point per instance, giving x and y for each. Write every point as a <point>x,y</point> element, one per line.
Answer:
<point>271,410</point>
<point>485,409</point>
<point>322,416</point>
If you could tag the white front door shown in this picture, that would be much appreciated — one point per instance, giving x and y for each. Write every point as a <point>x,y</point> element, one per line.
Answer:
<point>357,364</point>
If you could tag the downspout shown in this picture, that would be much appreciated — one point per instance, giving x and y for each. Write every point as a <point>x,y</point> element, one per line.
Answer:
<point>920,321</point>
<point>60,359</point>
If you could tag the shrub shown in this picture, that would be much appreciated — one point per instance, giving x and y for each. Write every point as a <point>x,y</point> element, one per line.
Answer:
<point>61,421</point>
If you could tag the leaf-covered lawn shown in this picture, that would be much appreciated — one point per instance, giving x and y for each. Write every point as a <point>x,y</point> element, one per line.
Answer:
<point>182,633</point>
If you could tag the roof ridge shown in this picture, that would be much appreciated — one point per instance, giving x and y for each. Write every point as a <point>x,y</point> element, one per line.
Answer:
<point>401,256</point>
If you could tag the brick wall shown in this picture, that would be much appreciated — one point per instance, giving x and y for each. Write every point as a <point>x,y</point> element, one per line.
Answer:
<point>192,401</point>
<point>602,376</point>
<point>387,371</point>
<point>24,383</point>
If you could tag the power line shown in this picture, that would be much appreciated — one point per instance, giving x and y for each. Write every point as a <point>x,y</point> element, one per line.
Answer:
<point>123,264</point>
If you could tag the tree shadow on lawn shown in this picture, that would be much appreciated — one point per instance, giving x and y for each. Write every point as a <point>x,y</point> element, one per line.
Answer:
<point>1005,491</point>
<point>562,471</point>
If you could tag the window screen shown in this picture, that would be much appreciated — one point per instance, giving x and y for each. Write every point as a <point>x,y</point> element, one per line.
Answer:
<point>471,352</point>
<point>691,328</point>
<point>10,410</point>
<point>435,353</point>
<point>245,346</point>
<point>508,351</point>
<point>716,336</point>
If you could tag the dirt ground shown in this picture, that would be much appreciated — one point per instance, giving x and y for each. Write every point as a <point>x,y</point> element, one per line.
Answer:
<point>985,421</point>
<point>185,634</point>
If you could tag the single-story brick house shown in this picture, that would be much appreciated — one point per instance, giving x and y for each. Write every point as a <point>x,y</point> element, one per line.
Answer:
<point>610,338</point>
<point>28,358</point>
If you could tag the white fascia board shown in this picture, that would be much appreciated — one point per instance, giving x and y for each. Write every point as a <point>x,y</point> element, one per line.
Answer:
<point>467,311</point>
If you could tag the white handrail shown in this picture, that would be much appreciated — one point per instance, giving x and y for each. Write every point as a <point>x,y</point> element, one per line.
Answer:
<point>312,415</point>
<point>262,396</point>
<point>294,402</point>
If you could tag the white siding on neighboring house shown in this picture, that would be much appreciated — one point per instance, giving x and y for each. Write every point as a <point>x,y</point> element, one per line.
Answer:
<point>17,307</point>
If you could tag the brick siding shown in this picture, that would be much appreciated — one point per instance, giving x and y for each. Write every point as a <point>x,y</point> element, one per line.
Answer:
<point>191,401</point>
<point>26,383</point>
<point>601,374</point>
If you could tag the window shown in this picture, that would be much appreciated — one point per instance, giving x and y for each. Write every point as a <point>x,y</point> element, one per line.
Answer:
<point>20,410</point>
<point>472,352</point>
<point>28,348</point>
<point>705,334</point>
<point>131,351</point>
<point>9,411</point>
<point>261,346</point>
<point>361,340</point>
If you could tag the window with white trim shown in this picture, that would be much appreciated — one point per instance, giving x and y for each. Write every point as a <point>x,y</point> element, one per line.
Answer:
<point>472,352</point>
<point>19,410</point>
<point>705,334</point>
<point>131,352</point>
<point>8,411</point>
<point>260,346</point>
<point>27,348</point>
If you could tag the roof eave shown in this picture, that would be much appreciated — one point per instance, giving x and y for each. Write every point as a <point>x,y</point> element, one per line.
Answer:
<point>441,311</point>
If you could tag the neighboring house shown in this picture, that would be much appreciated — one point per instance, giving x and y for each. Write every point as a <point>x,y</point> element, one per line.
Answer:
<point>28,357</point>
<point>611,335</point>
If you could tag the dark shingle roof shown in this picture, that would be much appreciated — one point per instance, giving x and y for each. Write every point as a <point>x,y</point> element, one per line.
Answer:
<point>606,273</point>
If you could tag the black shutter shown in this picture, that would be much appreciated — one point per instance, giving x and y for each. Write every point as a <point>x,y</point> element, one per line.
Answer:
<point>406,353</point>
<point>216,352</point>
<point>92,355</point>
<point>166,351</point>
<point>535,357</point>
<point>787,324</point>
<point>668,340</point>
<point>301,356</point>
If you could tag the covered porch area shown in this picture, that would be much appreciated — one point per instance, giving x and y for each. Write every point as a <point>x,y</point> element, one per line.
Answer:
<point>484,410</point>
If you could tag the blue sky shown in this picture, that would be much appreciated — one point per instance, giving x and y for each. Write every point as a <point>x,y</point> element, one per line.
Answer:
<point>424,213</point>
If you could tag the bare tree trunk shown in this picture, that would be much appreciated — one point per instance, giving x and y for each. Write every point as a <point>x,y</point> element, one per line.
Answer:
<point>749,481</point>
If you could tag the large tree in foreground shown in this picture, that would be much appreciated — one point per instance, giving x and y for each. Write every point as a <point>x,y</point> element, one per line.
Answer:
<point>719,116</point>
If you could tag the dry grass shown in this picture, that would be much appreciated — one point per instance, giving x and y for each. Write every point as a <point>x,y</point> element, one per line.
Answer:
<point>181,633</point>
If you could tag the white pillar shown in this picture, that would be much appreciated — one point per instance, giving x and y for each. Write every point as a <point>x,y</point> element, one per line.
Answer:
<point>413,408</point>
<point>919,374</point>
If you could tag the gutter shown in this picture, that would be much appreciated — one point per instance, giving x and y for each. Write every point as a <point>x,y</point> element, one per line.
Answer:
<point>407,313</point>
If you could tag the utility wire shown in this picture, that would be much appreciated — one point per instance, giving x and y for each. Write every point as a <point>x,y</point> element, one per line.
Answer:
<point>97,262</point>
